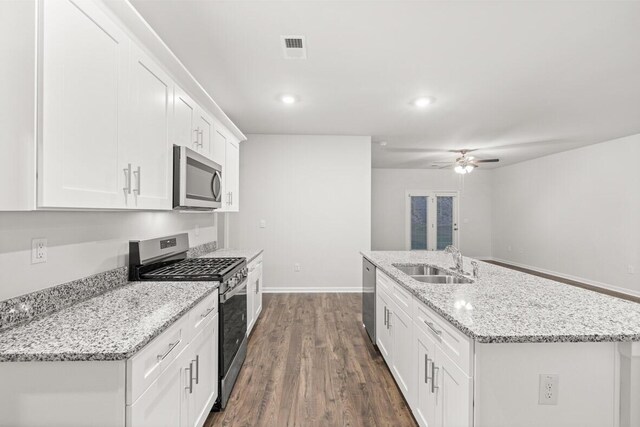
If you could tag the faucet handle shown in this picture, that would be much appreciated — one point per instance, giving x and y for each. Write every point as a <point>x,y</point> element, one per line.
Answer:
<point>475,266</point>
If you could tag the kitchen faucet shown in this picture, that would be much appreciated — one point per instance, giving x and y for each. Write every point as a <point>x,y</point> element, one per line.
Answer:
<point>457,257</point>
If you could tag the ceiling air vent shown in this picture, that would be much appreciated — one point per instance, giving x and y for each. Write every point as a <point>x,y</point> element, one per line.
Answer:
<point>294,47</point>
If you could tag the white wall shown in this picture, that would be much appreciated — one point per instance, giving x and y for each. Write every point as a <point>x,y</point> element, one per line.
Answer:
<point>314,194</point>
<point>388,205</point>
<point>82,243</point>
<point>575,213</point>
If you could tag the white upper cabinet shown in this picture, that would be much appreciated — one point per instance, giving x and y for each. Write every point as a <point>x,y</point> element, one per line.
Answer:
<point>17,104</point>
<point>219,148</point>
<point>148,145</point>
<point>231,180</point>
<point>184,119</point>
<point>204,129</point>
<point>84,92</point>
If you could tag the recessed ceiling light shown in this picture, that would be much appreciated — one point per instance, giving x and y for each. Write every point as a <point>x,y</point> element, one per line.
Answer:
<point>424,101</point>
<point>288,99</point>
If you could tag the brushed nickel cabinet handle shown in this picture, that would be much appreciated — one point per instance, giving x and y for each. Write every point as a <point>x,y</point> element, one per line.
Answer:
<point>127,179</point>
<point>138,175</point>
<point>190,386</point>
<point>197,362</point>
<point>435,331</point>
<point>426,369</point>
<point>161,357</point>
<point>206,313</point>
<point>434,377</point>
<point>385,315</point>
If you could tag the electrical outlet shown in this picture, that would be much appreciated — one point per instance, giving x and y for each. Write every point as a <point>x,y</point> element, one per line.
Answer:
<point>508,248</point>
<point>263,223</point>
<point>197,230</point>
<point>631,269</point>
<point>38,251</point>
<point>296,267</point>
<point>548,391</point>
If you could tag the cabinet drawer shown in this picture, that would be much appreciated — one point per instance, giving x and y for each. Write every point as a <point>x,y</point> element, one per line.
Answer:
<point>384,282</point>
<point>402,298</point>
<point>202,313</point>
<point>147,365</point>
<point>453,343</point>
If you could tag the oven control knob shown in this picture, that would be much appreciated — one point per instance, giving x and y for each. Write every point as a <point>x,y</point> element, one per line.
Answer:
<point>232,282</point>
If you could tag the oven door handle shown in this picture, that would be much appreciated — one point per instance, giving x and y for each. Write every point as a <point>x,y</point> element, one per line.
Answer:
<point>227,295</point>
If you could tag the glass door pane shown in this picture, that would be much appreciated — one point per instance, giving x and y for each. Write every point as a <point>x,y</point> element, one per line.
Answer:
<point>445,222</point>
<point>419,222</point>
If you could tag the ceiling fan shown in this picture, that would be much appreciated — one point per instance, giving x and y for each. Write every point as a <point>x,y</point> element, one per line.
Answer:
<point>464,164</point>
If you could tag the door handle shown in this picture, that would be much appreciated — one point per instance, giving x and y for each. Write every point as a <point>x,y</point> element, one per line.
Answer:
<point>385,316</point>
<point>197,132</point>
<point>201,133</point>
<point>426,369</point>
<point>190,386</point>
<point>127,179</point>
<point>197,362</point>
<point>434,377</point>
<point>138,175</point>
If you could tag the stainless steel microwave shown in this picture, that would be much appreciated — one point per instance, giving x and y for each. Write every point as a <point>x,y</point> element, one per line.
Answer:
<point>197,181</point>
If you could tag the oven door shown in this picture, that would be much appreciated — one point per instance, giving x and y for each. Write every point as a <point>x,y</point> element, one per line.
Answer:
<point>233,324</point>
<point>197,180</point>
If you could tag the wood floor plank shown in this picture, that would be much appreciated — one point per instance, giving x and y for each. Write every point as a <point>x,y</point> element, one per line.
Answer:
<point>311,363</point>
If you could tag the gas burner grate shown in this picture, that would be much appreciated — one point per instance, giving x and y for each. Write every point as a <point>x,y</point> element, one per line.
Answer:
<point>194,267</point>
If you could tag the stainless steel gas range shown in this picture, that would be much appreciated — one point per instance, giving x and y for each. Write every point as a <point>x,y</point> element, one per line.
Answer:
<point>165,259</point>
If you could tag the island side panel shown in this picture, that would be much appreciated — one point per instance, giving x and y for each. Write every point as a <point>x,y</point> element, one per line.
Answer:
<point>62,394</point>
<point>508,379</point>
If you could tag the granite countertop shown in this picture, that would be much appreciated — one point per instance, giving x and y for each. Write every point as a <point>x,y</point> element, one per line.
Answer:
<point>111,326</point>
<point>249,254</point>
<point>507,306</point>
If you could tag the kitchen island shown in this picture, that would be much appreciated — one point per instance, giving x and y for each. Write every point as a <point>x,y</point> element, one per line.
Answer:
<point>505,344</point>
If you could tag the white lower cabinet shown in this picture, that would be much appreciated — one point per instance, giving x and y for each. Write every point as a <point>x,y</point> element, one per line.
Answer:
<point>254,292</point>
<point>183,394</point>
<point>384,339</point>
<point>418,346</point>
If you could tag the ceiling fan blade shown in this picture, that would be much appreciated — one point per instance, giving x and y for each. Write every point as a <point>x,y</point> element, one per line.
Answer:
<point>413,150</point>
<point>463,150</point>
<point>443,167</point>
<point>486,160</point>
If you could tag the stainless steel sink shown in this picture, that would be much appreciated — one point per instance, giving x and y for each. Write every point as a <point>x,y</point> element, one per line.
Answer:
<point>441,279</point>
<point>420,270</point>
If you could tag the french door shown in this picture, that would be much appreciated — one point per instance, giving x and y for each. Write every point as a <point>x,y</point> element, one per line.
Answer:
<point>431,220</point>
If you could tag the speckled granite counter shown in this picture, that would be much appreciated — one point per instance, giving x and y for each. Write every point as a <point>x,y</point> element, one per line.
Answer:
<point>249,254</point>
<point>504,305</point>
<point>111,326</point>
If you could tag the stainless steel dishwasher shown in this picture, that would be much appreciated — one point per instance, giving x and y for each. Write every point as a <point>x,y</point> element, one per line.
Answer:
<point>369,298</point>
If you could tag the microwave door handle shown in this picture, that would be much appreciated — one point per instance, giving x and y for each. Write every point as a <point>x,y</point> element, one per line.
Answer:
<point>216,177</point>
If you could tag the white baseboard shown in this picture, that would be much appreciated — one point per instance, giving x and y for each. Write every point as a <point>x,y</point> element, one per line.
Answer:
<point>601,285</point>
<point>311,290</point>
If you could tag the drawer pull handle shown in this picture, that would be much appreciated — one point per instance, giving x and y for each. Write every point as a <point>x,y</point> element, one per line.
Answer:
<point>435,331</point>
<point>426,369</point>
<point>206,313</point>
<point>161,357</point>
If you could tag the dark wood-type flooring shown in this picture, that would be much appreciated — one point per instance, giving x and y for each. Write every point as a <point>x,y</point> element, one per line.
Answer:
<point>310,363</point>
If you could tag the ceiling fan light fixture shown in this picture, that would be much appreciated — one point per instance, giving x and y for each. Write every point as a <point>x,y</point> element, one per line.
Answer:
<point>459,169</point>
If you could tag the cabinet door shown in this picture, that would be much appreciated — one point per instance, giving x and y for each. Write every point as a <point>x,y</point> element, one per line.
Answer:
<point>148,140</point>
<point>403,366</point>
<point>453,393</point>
<point>232,177</point>
<point>184,119</point>
<point>165,402</point>
<point>257,299</point>
<point>84,63</point>
<point>204,128</point>
<point>204,353</point>
<point>218,148</point>
<point>424,406</point>
<point>250,297</point>
<point>383,331</point>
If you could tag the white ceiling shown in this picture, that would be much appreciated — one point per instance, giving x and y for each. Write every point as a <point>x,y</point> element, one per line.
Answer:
<point>531,77</point>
